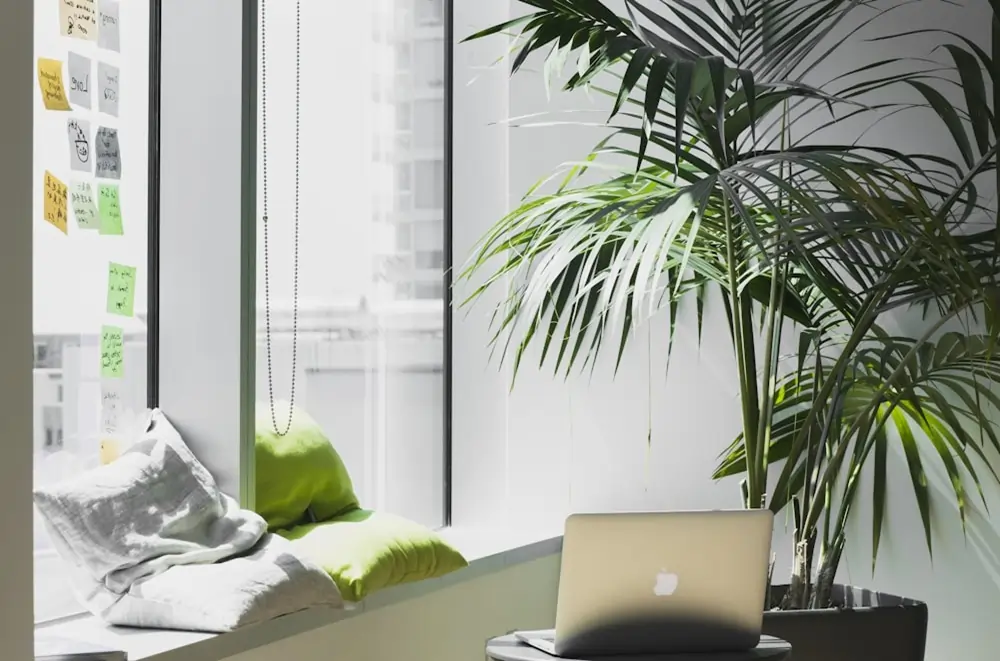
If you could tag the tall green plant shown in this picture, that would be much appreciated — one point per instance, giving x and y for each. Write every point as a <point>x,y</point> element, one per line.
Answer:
<point>719,181</point>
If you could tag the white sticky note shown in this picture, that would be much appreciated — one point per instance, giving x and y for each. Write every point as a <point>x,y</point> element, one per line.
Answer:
<point>81,195</point>
<point>107,89</point>
<point>112,407</point>
<point>79,80</point>
<point>80,153</point>
<point>108,34</point>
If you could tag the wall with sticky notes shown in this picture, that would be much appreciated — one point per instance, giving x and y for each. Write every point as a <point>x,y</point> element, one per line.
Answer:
<point>89,225</point>
<point>91,143</point>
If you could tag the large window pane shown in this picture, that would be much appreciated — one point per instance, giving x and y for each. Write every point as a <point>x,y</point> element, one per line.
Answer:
<point>90,191</point>
<point>367,355</point>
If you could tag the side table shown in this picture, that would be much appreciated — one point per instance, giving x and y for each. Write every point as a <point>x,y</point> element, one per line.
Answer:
<point>509,648</point>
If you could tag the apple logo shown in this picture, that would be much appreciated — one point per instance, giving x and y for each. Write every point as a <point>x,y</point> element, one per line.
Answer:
<point>666,583</point>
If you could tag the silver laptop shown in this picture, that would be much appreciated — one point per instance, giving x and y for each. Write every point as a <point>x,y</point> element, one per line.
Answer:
<point>660,583</point>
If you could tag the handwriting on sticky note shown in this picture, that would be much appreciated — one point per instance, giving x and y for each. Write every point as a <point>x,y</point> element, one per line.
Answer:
<point>109,31</point>
<point>109,156</point>
<point>54,207</point>
<point>79,80</point>
<point>121,289</point>
<point>109,209</point>
<point>84,208</point>
<point>50,81</point>
<point>112,407</point>
<point>107,88</point>
<point>109,451</point>
<point>112,352</point>
<point>78,134</point>
<point>78,19</point>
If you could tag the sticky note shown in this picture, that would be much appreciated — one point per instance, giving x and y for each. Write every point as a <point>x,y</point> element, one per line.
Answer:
<point>109,157</point>
<point>112,407</point>
<point>78,134</point>
<point>109,210</point>
<point>50,80</point>
<point>121,289</point>
<point>112,352</point>
<point>82,198</point>
<point>108,31</point>
<point>79,80</point>
<point>78,19</point>
<point>54,206</point>
<point>110,450</point>
<point>107,88</point>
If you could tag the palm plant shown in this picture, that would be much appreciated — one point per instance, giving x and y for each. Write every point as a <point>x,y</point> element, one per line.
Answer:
<point>720,182</point>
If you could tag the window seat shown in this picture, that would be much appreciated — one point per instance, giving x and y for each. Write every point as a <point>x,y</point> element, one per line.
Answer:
<point>487,550</point>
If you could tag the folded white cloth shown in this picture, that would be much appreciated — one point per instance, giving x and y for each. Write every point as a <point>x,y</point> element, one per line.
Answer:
<point>151,541</point>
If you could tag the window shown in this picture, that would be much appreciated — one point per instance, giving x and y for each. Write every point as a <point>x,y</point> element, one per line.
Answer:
<point>428,120</point>
<point>90,229</point>
<point>430,12</point>
<point>433,259</point>
<point>429,184</point>
<point>428,63</point>
<point>378,392</point>
<point>403,120</point>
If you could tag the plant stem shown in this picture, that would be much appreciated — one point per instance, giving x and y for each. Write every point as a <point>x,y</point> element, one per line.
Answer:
<point>748,395</point>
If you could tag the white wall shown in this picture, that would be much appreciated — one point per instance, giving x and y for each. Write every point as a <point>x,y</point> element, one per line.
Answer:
<point>556,447</point>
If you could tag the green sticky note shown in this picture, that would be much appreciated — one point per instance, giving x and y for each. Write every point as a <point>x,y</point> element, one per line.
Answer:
<point>110,209</point>
<point>112,352</point>
<point>121,289</point>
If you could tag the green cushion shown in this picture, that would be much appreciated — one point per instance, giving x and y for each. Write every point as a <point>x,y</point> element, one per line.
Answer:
<point>299,471</point>
<point>365,551</point>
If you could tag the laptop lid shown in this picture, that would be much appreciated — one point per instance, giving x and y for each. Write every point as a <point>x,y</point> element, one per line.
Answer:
<point>662,582</point>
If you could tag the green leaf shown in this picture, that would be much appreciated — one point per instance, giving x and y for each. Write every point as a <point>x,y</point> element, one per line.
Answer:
<point>975,93</point>
<point>636,68</point>
<point>654,88</point>
<point>881,442</point>
<point>949,116</point>
<point>918,478</point>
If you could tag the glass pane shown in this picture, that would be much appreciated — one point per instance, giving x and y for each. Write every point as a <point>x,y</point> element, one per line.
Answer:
<point>430,12</point>
<point>428,55</point>
<point>363,330</point>
<point>428,118</point>
<point>90,190</point>
<point>429,184</point>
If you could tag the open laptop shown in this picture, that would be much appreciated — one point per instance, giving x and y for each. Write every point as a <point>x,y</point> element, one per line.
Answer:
<point>660,583</point>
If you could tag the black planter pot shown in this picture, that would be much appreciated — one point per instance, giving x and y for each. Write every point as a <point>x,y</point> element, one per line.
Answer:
<point>863,626</point>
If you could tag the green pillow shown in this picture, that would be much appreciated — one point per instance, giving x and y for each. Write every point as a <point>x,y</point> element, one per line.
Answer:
<point>365,551</point>
<point>298,472</point>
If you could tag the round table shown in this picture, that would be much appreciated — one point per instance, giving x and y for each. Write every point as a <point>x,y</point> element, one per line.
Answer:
<point>509,648</point>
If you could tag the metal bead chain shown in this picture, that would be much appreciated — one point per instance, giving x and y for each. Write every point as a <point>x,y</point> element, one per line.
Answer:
<point>266,215</point>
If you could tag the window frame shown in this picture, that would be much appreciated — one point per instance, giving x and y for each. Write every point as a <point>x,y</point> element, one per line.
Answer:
<point>448,249</point>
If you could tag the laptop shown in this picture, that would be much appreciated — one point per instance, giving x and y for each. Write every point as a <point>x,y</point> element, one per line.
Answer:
<point>660,583</point>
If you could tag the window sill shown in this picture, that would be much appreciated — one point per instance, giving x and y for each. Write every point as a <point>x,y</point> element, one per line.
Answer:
<point>488,551</point>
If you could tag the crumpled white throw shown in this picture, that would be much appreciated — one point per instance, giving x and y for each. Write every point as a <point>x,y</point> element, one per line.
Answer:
<point>152,542</point>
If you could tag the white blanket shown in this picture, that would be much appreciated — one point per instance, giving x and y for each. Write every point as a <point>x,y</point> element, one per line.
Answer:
<point>151,541</point>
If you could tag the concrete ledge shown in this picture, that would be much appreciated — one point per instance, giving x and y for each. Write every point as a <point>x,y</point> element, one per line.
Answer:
<point>488,551</point>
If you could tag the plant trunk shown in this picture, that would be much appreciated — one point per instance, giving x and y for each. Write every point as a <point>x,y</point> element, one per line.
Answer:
<point>798,588</point>
<point>829,562</point>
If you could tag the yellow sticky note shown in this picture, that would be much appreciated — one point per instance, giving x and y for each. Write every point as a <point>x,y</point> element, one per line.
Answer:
<point>54,207</point>
<point>78,19</point>
<point>112,352</point>
<point>121,289</point>
<point>50,80</point>
<point>110,450</point>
